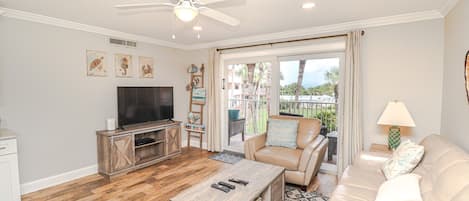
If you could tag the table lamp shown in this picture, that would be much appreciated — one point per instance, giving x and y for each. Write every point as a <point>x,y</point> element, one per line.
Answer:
<point>395,115</point>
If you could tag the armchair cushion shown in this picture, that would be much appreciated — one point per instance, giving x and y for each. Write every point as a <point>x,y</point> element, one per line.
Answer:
<point>281,156</point>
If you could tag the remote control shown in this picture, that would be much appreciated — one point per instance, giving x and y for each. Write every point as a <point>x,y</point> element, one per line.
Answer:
<point>238,181</point>
<point>220,187</point>
<point>232,187</point>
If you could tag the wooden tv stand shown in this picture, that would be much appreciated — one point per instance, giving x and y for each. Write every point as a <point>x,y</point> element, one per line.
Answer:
<point>118,154</point>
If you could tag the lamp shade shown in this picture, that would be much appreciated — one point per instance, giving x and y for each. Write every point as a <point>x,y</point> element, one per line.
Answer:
<point>396,114</point>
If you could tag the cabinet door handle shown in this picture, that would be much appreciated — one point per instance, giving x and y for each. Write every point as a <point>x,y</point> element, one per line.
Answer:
<point>2,148</point>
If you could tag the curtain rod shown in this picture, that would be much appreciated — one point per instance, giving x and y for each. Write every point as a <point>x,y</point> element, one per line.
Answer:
<point>287,41</point>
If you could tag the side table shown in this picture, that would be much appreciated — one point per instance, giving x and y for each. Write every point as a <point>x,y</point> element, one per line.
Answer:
<point>380,148</point>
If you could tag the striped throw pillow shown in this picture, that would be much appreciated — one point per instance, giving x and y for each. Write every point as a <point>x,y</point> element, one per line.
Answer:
<point>282,133</point>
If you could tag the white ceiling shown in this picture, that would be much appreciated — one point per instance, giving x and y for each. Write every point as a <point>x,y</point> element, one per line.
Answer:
<point>257,16</point>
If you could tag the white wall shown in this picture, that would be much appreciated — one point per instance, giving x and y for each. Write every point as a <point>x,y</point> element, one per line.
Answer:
<point>47,99</point>
<point>454,122</point>
<point>403,62</point>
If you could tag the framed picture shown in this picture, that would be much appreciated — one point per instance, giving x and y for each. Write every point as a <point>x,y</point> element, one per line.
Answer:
<point>197,82</point>
<point>146,67</point>
<point>466,75</point>
<point>198,96</point>
<point>123,65</point>
<point>96,63</point>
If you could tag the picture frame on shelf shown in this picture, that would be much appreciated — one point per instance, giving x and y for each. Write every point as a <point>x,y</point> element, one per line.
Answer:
<point>197,82</point>
<point>198,96</point>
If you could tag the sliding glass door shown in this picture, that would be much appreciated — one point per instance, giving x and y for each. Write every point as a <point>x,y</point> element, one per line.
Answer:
<point>309,87</point>
<point>248,87</point>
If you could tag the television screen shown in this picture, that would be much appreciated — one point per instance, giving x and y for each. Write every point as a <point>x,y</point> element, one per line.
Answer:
<point>144,104</point>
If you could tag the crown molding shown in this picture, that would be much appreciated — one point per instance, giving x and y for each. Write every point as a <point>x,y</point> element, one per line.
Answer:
<point>341,27</point>
<point>28,16</point>
<point>448,6</point>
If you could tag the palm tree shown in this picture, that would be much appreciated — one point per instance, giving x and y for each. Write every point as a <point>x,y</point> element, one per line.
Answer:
<point>332,77</point>
<point>299,83</point>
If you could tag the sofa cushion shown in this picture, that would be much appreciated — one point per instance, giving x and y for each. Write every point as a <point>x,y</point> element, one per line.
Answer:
<point>308,129</point>
<point>282,133</point>
<point>281,156</point>
<point>344,192</point>
<point>401,188</point>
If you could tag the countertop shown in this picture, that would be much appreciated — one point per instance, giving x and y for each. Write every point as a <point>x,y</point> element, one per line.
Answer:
<point>6,134</point>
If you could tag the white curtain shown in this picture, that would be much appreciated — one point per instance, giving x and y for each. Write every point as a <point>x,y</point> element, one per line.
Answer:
<point>214,103</point>
<point>350,113</point>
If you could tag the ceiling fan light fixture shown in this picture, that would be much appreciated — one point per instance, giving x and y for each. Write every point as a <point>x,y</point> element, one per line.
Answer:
<point>185,11</point>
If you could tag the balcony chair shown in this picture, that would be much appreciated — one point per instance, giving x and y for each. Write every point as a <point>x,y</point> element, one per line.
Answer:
<point>302,163</point>
<point>235,125</point>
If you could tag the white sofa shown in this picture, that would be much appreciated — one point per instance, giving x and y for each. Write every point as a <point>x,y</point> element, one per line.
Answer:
<point>444,170</point>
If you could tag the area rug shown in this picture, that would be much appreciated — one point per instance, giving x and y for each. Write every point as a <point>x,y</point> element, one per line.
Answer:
<point>293,193</point>
<point>228,157</point>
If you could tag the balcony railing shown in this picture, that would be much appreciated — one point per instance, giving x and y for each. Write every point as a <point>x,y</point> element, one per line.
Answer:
<point>326,112</point>
<point>256,113</point>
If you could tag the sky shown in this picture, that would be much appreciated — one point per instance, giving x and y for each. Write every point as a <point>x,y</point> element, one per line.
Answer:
<point>314,74</point>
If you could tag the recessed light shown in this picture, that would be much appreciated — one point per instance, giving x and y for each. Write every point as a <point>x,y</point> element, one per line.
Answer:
<point>197,28</point>
<point>308,5</point>
<point>173,36</point>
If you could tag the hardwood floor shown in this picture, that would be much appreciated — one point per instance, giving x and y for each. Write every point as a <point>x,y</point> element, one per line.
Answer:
<point>154,183</point>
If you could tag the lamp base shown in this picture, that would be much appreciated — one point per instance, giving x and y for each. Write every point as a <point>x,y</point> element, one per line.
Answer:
<point>394,139</point>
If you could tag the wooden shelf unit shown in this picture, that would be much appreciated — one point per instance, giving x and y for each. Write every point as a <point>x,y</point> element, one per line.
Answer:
<point>118,154</point>
<point>192,132</point>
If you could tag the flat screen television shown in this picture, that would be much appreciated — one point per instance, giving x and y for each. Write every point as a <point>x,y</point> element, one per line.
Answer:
<point>144,104</point>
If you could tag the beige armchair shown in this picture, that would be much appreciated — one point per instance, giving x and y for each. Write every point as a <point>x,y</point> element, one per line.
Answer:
<point>301,164</point>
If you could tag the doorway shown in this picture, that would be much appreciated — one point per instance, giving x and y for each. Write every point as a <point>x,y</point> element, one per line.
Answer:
<point>309,87</point>
<point>248,101</point>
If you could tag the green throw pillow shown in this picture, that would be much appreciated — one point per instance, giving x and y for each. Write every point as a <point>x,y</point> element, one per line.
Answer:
<point>282,133</point>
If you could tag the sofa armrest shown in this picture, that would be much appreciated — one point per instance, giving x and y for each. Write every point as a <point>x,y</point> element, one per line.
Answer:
<point>252,145</point>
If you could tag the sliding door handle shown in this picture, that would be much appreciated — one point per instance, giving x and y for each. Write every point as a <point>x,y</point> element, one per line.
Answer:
<point>223,84</point>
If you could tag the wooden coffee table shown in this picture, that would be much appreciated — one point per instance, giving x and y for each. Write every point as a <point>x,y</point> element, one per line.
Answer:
<point>266,181</point>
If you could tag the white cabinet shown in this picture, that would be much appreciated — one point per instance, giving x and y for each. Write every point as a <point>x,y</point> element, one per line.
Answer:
<point>9,177</point>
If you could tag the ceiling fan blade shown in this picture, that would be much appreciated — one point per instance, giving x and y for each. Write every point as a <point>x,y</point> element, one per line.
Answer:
<point>206,2</point>
<point>217,15</point>
<point>140,5</point>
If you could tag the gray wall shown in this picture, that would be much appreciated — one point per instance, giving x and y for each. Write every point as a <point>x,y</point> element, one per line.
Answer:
<point>455,115</point>
<point>47,99</point>
<point>404,62</point>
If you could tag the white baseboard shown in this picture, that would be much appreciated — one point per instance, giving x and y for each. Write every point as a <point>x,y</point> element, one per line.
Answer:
<point>195,143</point>
<point>57,179</point>
<point>43,183</point>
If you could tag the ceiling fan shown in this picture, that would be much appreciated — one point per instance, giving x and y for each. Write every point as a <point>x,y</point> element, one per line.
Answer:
<point>187,10</point>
